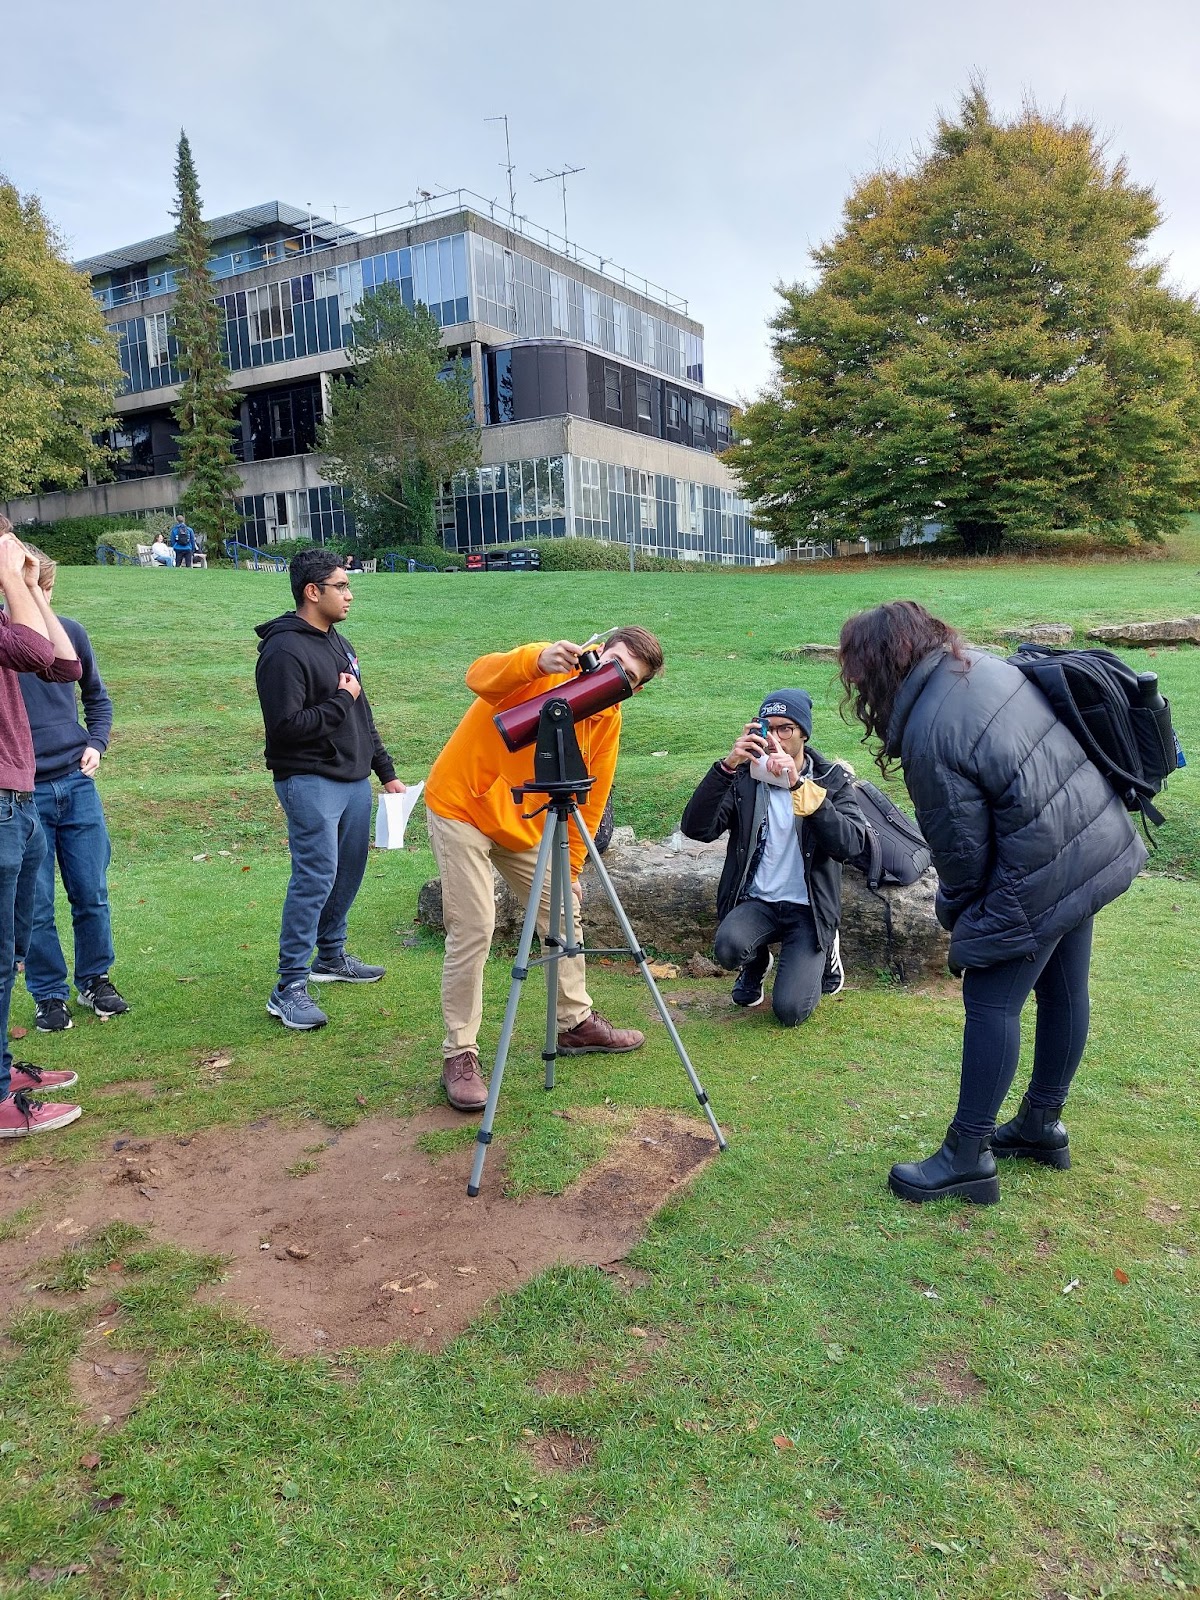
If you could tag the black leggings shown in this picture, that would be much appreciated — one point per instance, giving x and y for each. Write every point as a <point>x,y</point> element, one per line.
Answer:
<point>994,998</point>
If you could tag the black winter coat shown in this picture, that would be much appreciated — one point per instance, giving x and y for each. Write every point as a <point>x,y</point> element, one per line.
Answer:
<point>1027,836</point>
<point>835,832</point>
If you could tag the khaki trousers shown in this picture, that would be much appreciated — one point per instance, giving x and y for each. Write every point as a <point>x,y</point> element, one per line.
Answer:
<point>465,858</point>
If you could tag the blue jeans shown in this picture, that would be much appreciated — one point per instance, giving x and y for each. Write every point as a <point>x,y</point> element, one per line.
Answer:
<point>329,827</point>
<point>743,940</point>
<point>72,819</point>
<point>993,998</point>
<point>22,847</point>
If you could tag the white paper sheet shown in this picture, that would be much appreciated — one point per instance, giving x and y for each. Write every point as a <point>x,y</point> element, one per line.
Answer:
<point>391,819</point>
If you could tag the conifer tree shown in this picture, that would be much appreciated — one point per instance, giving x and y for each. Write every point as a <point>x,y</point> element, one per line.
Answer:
<point>203,410</point>
<point>987,345</point>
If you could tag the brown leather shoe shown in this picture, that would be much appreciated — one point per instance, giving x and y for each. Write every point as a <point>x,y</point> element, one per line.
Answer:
<point>463,1082</point>
<point>596,1033</point>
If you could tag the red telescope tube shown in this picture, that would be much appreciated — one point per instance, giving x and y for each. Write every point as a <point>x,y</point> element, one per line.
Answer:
<point>585,695</point>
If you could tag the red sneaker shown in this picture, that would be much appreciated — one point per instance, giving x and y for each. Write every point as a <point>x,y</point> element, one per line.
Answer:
<point>20,1115</point>
<point>26,1076</point>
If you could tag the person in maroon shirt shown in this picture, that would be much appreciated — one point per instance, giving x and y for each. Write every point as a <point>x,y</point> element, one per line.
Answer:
<point>31,640</point>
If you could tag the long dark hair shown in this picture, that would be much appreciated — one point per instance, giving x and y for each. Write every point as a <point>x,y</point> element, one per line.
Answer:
<point>876,652</point>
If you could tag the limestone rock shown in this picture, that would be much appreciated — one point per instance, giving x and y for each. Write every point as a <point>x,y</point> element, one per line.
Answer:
<point>669,894</point>
<point>1039,633</point>
<point>1175,630</point>
<point>807,652</point>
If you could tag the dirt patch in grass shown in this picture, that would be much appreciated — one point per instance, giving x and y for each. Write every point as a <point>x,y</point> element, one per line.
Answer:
<point>951,1379</point>
<point>108,1384</point>
<point>559,1451</point>
<point>1164,1212</point>
<point>565,1384</point>
<point>379,1243</point>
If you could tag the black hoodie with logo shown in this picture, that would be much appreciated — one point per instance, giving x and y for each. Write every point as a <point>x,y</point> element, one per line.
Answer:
<point>312,726</point>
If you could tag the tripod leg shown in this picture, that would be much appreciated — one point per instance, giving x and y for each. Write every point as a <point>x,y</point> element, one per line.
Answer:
<point>553,945</point>
<point>520,972</point>
<point>639,955</point>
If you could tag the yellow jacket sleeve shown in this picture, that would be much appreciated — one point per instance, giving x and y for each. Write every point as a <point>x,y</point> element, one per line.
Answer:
<point>493,678</point>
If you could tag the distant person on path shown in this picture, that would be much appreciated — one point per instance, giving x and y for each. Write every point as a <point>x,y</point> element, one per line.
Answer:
<point>67,758</point>
<point>788,838</point>
<point>321,747</point>
<point>474,824</point>
<point>1029,841</point>
<point>31,640</point>
<point>161,553</point>
<point>183,542</point>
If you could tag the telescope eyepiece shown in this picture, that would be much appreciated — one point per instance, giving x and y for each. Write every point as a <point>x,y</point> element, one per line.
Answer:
<point>589,660</point>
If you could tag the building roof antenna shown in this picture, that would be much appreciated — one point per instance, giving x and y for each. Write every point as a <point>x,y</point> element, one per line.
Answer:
<point>507,163</point>
<point>561,177</point>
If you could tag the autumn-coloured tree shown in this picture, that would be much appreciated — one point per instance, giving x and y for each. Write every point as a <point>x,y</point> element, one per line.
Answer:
<point>986,345</point>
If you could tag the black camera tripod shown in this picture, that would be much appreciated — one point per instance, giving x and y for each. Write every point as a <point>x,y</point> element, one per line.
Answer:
<point>561,777</point>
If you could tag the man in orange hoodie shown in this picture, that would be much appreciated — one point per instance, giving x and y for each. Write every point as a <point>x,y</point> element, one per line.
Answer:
<point>474,824</point>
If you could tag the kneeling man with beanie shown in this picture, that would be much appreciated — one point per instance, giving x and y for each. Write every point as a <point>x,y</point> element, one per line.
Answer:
<point>792,821</point>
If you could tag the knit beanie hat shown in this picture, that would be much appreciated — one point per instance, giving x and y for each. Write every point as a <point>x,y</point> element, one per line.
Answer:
<point>794,703</point>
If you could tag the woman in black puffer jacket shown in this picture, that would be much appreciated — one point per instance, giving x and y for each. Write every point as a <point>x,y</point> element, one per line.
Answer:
<point>1029,841</point>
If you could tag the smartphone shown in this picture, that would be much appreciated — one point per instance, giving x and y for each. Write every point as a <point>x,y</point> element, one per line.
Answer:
<point>765,731</point>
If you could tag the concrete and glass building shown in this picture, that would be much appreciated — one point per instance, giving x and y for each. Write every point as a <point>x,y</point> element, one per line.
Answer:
<point>588,383</point>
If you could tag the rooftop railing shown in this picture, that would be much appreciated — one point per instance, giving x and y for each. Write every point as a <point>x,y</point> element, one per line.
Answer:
<point>424,209</point>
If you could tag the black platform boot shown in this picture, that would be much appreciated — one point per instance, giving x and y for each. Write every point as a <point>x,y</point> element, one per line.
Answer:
<point>963,1167</point>
<point>1036,1134</point>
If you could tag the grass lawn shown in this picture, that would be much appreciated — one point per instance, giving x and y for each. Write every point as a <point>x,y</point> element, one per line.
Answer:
<point>812,1390</point>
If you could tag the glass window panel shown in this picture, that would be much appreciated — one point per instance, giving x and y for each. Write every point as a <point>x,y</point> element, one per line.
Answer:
<point>557,498</point>
<point>420,282</point>
<point>393,266</point>
<point>515,502</point>
<point>529,488</point>
<point>445,249</point>
<point>459,243</point>
<point>543,486</point>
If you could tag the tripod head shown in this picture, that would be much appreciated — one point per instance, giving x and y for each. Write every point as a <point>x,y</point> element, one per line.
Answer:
<point>558,769</point>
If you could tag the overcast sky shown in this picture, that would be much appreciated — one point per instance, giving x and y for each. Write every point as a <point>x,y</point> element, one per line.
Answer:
<point>719,140</point>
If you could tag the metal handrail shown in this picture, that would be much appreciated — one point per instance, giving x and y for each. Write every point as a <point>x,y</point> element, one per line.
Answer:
<point>296,246</point>
<point>256,559</point>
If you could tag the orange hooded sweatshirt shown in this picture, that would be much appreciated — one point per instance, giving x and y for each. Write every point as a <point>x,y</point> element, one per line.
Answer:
<point>471,781</point>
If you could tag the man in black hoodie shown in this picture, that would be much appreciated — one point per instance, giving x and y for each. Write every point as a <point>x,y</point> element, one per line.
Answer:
<point>321,747</point>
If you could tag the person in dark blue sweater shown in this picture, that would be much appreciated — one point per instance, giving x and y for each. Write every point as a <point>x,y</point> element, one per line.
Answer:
<point>183,542</point>
<point>67,755</point>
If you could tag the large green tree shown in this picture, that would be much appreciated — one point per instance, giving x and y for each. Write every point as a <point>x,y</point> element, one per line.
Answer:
<point>204,410</point>
<point>59,371</point>
<point>985,344</point>
<point>401,422</point>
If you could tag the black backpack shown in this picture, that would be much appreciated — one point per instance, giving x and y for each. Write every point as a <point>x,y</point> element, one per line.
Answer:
<point>895,851</point>
<point>1118,716</point>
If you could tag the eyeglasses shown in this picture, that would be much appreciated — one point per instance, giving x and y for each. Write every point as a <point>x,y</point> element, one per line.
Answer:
<point>784,730</point>
<point>342,588</point>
